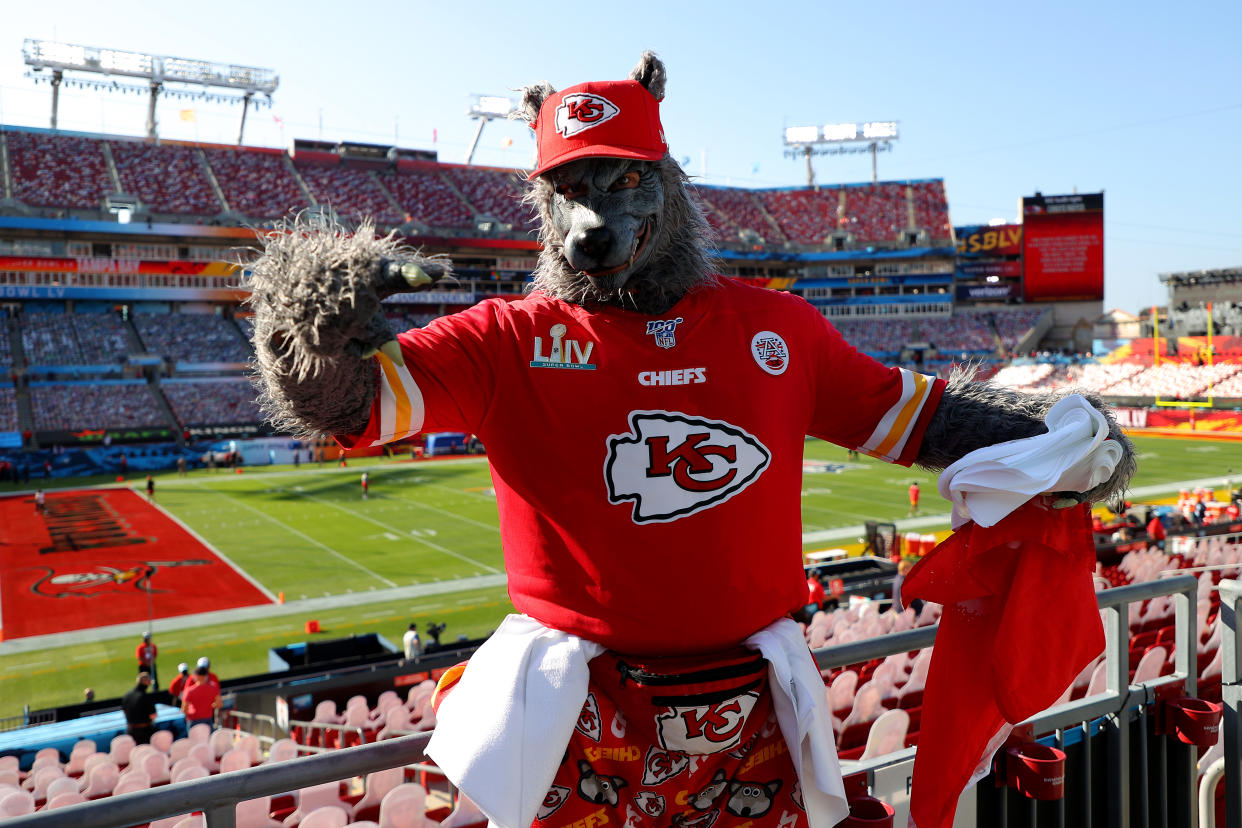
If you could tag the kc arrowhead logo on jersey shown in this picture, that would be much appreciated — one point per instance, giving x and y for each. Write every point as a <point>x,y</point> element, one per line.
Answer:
<point>707,728</point>
<point>582,111</point>
<point>673,465</point>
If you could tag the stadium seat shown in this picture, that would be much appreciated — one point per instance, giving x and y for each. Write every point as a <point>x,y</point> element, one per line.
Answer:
<point>17,804</point>
<point>195,821</point>
<point>1099,680</point>
<point>191,772</point>
<point>255,813</point>
<point>888,734</point>
<point>181,765</point>
<point>39,780</point>
<point>162,740</point>
<point>135,780</point>
<point>156,766</point>
<point>326,817</point>
<point>1150,665</point>
<point>396,722</point>
<point>464,815</point>
<point>100,780</point>
<point>11,778</point>
<point>64,799</point>
<point>841,693</point>
<point>235,760</point>
<point>221,742</point>
<point>59,785</point>
<point>200,732</point>
<point>179,750</point>
<point>249,744</point>
<point>201,753</point>
<point>404,807</point>
<point>120,749</point>
<point>169,822</point>
<point>377,786</point>
<point>77,757</point>
<point>315,797</point>
<point>281,750</point>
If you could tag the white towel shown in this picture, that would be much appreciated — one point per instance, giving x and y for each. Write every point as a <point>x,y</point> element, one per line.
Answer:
<point>1074,456</point>
<point>501,733</point>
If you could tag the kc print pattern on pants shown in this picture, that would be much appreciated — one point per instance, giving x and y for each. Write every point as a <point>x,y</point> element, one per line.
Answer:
<point>676,743</point>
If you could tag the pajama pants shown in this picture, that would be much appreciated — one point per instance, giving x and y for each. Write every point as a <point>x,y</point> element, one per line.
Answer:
<point>671,742</point>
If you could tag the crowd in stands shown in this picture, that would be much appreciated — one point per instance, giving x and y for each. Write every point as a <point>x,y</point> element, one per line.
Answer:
<point>167,178</point>
<point>58,170</point>
<point>77,405</point>
<point>191,337</point>
<point>964,331</point>
<point>405,321</point>
<point>214,403</point>
<point>73,339</point>
<point>931,208</point>
<point>352,193</point>
<point>877,212</point>
<point>804,216</point>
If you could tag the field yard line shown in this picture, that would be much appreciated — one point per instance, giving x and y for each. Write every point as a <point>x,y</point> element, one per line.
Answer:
<point>302,535</point>
<point>383,525</point>
<point>215,551</point>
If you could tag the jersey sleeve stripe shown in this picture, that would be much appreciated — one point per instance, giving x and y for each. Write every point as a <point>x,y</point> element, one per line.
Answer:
<point>400,403</point>
<point>889,438</point>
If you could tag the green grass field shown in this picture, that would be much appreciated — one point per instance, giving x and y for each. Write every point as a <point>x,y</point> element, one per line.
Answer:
<point>308,533</point>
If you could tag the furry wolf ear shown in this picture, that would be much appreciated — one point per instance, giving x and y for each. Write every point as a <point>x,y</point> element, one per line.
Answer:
<point>533,97</point>
<point>651,74</point>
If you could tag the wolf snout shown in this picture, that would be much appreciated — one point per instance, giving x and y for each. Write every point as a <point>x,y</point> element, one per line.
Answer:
<point>592,246</point>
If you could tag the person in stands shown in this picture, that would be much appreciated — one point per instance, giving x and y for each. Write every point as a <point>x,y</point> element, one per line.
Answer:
<point>200,700</point>
<point>178,684</point>
<point>205,664</point>
<point>411,643</point>
<point>1155,530</point>
<point>914,498</point>
<point>139,707</point>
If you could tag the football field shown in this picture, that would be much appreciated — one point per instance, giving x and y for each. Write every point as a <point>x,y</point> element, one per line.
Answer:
<point>417,548</point>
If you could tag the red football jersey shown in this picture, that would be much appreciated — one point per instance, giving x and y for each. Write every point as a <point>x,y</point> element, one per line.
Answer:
<point>648,470</point>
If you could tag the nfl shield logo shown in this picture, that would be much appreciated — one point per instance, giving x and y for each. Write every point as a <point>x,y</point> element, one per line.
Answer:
<point>664,331</point>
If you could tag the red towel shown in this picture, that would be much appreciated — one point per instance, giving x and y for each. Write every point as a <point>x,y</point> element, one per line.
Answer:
<point>1020,623</point>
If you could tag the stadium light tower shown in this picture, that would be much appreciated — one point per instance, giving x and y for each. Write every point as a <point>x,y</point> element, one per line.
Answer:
<point>484,108</point>
<point>157,70</point>
<point>840,139</point>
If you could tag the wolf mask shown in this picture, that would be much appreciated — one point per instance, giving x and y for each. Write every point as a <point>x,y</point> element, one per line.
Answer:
<point>619,225</point>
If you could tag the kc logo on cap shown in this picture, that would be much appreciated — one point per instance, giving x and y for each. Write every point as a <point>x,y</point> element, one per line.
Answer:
<point>582,111</point>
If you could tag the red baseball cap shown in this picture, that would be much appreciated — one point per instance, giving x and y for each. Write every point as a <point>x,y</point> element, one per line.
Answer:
<point>609,119</point>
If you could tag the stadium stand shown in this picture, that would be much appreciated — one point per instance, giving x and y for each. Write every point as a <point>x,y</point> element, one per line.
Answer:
<point>804,216</point>
<point>931,209</point>
<point>191,338</point>
<point>8,408</point>
<point>211,402</point>
<point>353,193</point>
<point>168,178</point>
<point>74,405</point>
<point>58,170</point>
<point>876,212</point>
<point>732,210</point>
<point>427,198</point>
<point>256,183</point>
<point>492,192</point>
<point>73,339</point>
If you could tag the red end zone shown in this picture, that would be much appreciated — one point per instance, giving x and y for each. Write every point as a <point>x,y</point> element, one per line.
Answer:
<point>91,558</point>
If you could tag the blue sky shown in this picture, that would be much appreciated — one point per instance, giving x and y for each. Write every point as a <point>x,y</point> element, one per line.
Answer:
<point>1140,100</point>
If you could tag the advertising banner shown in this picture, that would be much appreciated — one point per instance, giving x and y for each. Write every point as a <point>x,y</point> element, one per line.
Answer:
<point>989,240</point>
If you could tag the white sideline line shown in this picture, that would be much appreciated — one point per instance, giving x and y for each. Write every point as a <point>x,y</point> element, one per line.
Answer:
<point>213,549</point>
<point>383,525</point>
<point>301,535</point>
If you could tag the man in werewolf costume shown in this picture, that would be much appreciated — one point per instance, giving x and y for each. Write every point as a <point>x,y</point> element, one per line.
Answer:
<point>645,419</point>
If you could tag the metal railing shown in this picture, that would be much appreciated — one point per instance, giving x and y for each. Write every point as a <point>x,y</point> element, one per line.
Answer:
<point>1113,711</point>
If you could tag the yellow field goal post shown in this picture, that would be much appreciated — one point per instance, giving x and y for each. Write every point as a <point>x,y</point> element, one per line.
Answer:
<point>1206,356</point>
